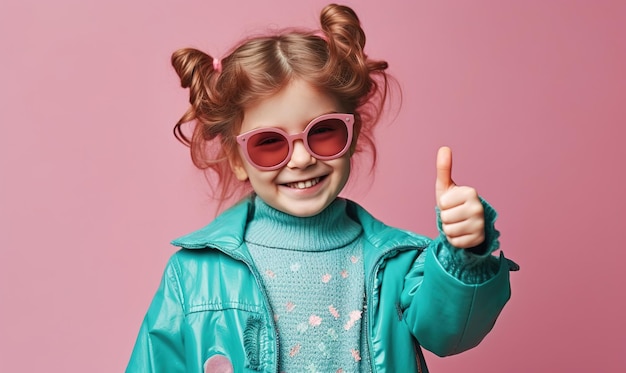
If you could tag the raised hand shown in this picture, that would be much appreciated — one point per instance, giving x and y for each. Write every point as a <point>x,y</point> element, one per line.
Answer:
<point>461,212</point>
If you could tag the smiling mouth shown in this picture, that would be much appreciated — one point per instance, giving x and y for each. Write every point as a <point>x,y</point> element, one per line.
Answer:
<point>304,184</point>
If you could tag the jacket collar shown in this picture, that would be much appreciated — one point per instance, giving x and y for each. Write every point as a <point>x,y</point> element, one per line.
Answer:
<point>225,232</point>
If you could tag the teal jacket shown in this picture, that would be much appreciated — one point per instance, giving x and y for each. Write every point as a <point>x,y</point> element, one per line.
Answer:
<point>211,302</point>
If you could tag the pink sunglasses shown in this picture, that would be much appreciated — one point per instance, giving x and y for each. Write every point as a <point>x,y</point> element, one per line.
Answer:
<point>326,137</point>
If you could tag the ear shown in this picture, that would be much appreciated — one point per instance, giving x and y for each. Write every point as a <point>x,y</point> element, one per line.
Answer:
<point>236,165</point>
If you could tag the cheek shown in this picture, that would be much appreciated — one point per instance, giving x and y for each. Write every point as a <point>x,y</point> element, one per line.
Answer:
<point>343,167</point>
<point>258,177</point>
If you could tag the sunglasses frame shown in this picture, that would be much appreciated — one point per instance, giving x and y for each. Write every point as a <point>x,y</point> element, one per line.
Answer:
<point>347,119</point>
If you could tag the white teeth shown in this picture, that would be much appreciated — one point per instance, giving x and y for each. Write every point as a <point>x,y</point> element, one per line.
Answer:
<point>304,184</point>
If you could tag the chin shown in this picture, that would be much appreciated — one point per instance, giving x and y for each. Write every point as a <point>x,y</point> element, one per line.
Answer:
<point>304,210</point>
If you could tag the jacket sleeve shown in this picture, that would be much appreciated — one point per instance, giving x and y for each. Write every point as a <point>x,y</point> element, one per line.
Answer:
<point>159,346</point>
<point>451,299</point>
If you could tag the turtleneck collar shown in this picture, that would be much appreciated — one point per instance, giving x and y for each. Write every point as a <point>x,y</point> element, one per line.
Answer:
<point>330,229</point>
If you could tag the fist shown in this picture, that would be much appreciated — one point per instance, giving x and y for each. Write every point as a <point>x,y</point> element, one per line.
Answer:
<point>461,212</point>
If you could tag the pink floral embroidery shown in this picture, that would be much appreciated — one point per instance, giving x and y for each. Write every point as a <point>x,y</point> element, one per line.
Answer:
<point>270,273</point>
<point>340,370</point>
<point>315,320</point>
<point>354,317</point>
<point>326,278</point>
<point>290,306</point>
<point>294,350</point>
<point>354,259</point>
<point>333,311</point>
<point>356,355</point>
<point>344,274</point>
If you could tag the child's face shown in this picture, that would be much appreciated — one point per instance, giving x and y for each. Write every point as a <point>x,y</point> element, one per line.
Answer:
<point>305,185</point>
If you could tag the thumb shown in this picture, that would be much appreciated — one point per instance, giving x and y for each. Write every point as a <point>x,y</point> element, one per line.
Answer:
<point>444,171</point>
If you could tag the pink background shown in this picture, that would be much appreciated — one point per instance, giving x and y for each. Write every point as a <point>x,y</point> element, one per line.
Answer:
<point>531,96</point>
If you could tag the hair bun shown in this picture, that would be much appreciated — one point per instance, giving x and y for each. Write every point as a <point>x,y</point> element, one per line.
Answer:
<point>342,24</point>
<point>187,62</point>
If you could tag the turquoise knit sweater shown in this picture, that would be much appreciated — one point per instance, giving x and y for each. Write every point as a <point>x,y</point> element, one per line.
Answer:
<point>313,272</point>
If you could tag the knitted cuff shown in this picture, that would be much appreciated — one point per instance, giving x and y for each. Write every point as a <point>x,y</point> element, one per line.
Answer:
<point>465,264</point>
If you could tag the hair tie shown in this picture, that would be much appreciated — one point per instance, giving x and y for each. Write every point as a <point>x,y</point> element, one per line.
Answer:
<point>217,65</point>
<point>320,34</point>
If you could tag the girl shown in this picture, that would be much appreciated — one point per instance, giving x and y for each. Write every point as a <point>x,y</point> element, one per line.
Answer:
<point>293,278</point>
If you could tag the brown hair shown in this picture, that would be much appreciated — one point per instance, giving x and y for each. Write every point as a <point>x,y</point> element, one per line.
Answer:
<point>332,61</point>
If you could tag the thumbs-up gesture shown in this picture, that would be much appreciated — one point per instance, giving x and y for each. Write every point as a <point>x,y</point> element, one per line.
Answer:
<point>461,212</point>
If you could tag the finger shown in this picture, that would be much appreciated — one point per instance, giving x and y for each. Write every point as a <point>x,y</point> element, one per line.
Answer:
<point>460,214</point>
<point>466,242</point>
<point>459,196</point>
<point>444,171</point>
<point>472,228</point>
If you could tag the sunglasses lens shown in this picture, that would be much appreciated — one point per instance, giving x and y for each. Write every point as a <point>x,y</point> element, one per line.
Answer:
<point>328,137</point>
<point>267,149</point>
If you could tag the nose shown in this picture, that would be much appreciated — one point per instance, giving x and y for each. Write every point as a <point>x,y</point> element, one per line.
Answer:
<point>300,157</point>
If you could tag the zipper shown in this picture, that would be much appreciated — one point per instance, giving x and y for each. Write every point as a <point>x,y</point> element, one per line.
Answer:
<point>419,357</point>
<point>370,288</point>
<point>257,277</point>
